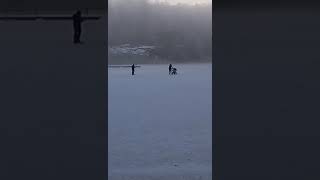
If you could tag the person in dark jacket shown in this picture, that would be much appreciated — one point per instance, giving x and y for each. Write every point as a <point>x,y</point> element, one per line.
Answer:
<point>170,68</point>
<point>174,71</point>
<point>77,20</point>
<point>132,69</point>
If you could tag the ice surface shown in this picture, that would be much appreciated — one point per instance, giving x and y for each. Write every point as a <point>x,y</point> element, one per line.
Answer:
<point>53,114</point>
<point>160,125</point>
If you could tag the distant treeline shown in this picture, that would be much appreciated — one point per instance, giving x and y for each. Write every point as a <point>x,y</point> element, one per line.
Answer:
<point>178,31</point>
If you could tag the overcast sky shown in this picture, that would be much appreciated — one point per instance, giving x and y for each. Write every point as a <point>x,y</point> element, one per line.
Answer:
<point>186,1</point>
<point>57,5</point>
<point>54,5</point>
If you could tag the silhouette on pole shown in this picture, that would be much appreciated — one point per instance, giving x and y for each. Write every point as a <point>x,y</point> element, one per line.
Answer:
<point>77,21</point>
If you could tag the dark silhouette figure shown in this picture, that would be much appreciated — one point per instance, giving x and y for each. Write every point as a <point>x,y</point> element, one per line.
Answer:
<point>174,71</point>
<point>132,69</point>
<point>77,20</point>
<point>170,68</point>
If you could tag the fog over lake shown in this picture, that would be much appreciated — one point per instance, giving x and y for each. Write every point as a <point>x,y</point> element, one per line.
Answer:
<point>178,33</point>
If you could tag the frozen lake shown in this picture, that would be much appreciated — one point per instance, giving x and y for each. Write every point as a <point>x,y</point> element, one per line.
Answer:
<point>160,125</point>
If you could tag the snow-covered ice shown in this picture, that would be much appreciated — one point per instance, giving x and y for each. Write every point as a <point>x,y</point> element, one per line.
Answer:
<point>160,125</point>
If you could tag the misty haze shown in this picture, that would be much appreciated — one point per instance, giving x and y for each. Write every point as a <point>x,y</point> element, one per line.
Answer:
<point>157,32</point>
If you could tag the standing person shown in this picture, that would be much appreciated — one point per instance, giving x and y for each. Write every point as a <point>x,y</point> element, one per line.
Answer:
<point>170,68</point>
<point>132,69</point>
<point>77,20</point>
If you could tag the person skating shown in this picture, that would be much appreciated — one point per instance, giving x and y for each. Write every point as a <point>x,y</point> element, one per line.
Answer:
<point>132,69</point>
<point>174,71</point>
<point>170,68</point>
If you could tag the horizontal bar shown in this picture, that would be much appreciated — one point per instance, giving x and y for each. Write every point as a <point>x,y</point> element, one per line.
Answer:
<point>58,18</point>
<point>68,18</point>
<point>120,66</point>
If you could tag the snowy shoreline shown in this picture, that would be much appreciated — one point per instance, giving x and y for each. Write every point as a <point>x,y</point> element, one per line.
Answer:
<point>153,61</point>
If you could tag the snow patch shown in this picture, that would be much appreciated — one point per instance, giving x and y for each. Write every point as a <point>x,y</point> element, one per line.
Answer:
<point>127,49</point>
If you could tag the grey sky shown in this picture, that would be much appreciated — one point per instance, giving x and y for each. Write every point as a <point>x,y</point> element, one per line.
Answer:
<point>186,1</point>
<point>54,5</point>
